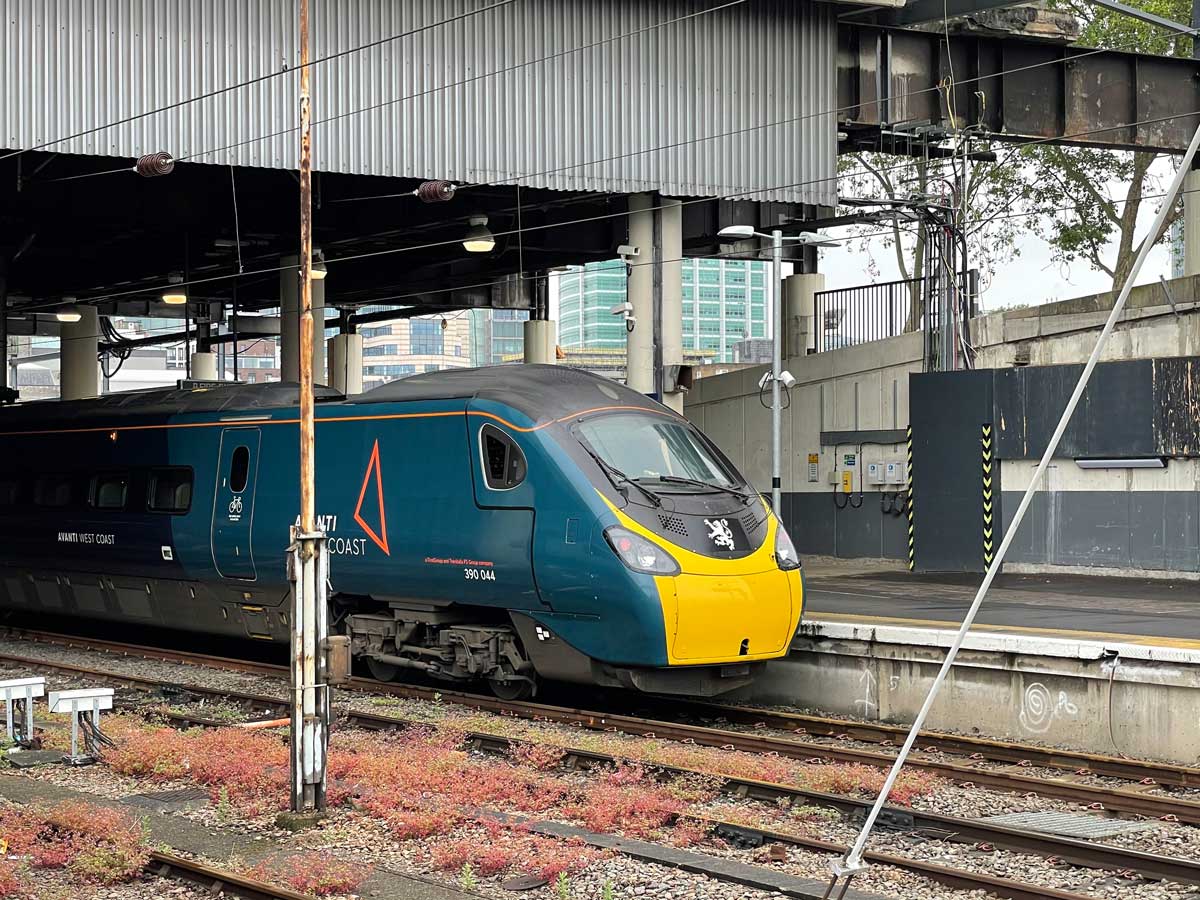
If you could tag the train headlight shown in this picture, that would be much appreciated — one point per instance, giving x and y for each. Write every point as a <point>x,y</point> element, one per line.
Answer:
<point>785,551</point>
<point>640,554</point>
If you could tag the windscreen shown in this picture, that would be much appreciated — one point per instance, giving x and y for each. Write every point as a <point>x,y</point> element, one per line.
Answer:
<point>649,446</point>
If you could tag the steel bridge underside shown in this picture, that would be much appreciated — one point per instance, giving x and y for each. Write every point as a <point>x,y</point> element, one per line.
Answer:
<point>891,82</point>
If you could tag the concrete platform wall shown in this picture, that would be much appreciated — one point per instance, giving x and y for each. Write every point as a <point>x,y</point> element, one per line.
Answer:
<point>1151,524</point>
<point>863,388</point>
<point>1140,701</point>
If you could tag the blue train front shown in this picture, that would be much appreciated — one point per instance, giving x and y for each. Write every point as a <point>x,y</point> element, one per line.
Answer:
<point>509,524</point>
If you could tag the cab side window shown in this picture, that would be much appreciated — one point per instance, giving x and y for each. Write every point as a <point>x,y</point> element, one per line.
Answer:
<point>503,462</point>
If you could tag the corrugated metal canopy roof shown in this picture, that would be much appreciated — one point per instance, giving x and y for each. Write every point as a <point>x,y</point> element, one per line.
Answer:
<point>469,101</point>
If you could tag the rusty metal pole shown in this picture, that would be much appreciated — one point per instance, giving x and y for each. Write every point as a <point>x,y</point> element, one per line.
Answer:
<point>308,561</point>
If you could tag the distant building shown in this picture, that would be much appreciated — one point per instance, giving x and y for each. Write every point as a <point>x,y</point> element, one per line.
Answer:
<point>609,362</point>
<point>405,347</point>
<point>754,351</point>
<point>496,335</point>
<point>725,303</point>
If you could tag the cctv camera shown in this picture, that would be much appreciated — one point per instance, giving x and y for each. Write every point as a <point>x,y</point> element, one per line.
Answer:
<point>787,379</point>
<point>622,309</point>
<point>765,380</point>
<point>627,251</point>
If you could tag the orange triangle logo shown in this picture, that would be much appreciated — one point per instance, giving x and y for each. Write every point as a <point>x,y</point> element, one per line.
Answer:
<point>380,537</point>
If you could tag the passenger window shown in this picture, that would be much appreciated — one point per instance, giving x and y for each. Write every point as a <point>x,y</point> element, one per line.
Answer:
<point>239,469</point>
<point>170,490</point>
<point>52,490</point>
<point>108,491</point>
<point>10,490</point>
<point>503,461</point>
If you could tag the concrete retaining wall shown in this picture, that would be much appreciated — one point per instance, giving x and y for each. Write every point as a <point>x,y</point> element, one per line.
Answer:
<point>1139,700</point>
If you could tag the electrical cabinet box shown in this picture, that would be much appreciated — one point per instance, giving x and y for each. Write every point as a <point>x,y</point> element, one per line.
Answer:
<point>896,473</point>
<point>835,476</point>
<point>876,473</point>
<point>847,481</point>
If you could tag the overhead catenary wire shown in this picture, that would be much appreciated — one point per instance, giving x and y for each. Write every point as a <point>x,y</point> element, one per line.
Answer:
<point>677,144</point>
<point>733,254</point>
<point>852,862</point>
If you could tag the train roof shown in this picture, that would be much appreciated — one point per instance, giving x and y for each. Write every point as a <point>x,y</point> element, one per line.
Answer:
<point>539,391</point>
<point>162,402</point>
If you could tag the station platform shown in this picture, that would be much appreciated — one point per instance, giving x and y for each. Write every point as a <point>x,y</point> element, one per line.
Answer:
<point>1131,611</point>
<point>1103,665</point>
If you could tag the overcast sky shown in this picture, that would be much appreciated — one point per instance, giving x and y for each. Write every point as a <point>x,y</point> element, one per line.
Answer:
<point>1030,278</point>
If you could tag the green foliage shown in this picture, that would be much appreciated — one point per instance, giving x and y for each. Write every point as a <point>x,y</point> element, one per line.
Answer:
<point>562,886</point>
<point>466,877</point>
<point>606,892</point>
<point>1083,201</point>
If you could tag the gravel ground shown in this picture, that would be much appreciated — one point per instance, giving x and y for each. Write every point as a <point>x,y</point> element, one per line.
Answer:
<point>54,885</point>
<point>1166,838</point>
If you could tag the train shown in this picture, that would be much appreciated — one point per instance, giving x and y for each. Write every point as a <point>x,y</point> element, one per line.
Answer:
<point>512,525</point>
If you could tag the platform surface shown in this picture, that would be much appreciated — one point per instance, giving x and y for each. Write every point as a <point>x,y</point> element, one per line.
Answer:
<point>1125,610</point>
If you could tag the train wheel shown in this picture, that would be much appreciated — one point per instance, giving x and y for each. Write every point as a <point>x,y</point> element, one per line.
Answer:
<point>382,671</point>
<point>511,690</point>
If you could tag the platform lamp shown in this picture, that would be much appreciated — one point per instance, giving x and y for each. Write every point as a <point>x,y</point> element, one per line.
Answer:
<point>731,234</point>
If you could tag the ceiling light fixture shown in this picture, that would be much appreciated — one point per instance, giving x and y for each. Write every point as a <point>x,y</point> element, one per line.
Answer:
<point>70,313</point>
<point>175,296</point>
<point>478,239</point>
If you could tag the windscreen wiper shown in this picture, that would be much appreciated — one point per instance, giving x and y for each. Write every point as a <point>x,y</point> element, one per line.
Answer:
<point>679,479</point>
<point>614,474</point>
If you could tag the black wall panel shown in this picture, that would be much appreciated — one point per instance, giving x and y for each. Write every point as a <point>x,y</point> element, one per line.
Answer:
<point>1120,410</point>
<point>1140,407</point>
<point>1177,406</point>
<point>947,411</point>
<point>818,527</point>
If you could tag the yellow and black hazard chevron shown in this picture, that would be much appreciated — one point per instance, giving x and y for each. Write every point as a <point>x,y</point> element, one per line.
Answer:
<point>912,545</point>
<point>988,505</point>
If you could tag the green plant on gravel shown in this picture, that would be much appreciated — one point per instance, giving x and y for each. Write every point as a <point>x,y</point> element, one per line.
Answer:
<point>562,886</point>
<point>466,877</point>
<point>225,810</point>
<point>606,892</point>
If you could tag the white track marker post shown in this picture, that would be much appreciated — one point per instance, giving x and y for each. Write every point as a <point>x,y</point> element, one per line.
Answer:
<point>852,863</point>
<point>18,696</point>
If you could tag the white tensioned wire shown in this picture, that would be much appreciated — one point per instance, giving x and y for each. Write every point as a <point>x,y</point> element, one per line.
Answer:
<point>852,862</point>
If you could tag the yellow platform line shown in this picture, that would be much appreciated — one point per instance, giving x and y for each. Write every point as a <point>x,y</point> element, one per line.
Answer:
<point>1106,636</point>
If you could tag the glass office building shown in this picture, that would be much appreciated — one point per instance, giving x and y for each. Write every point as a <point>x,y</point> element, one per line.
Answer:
<point>497,335</point>
<point>725,302</point>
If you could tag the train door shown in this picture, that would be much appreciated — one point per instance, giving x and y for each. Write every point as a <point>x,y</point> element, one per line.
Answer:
<point>233,503</point>
<point>504,500</point>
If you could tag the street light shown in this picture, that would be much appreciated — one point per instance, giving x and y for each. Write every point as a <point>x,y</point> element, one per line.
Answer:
<point>733,233</point>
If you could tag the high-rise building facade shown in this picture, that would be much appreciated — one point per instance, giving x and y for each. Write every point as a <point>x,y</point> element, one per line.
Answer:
<point>393,350</point>
<point>725,302</point>
<point>586,296</point>
<point>497,335</point>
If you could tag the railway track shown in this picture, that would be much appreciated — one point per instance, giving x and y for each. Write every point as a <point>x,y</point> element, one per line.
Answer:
<point>932,826</point>
<point>217,881</point>
<point>1136,799</point>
